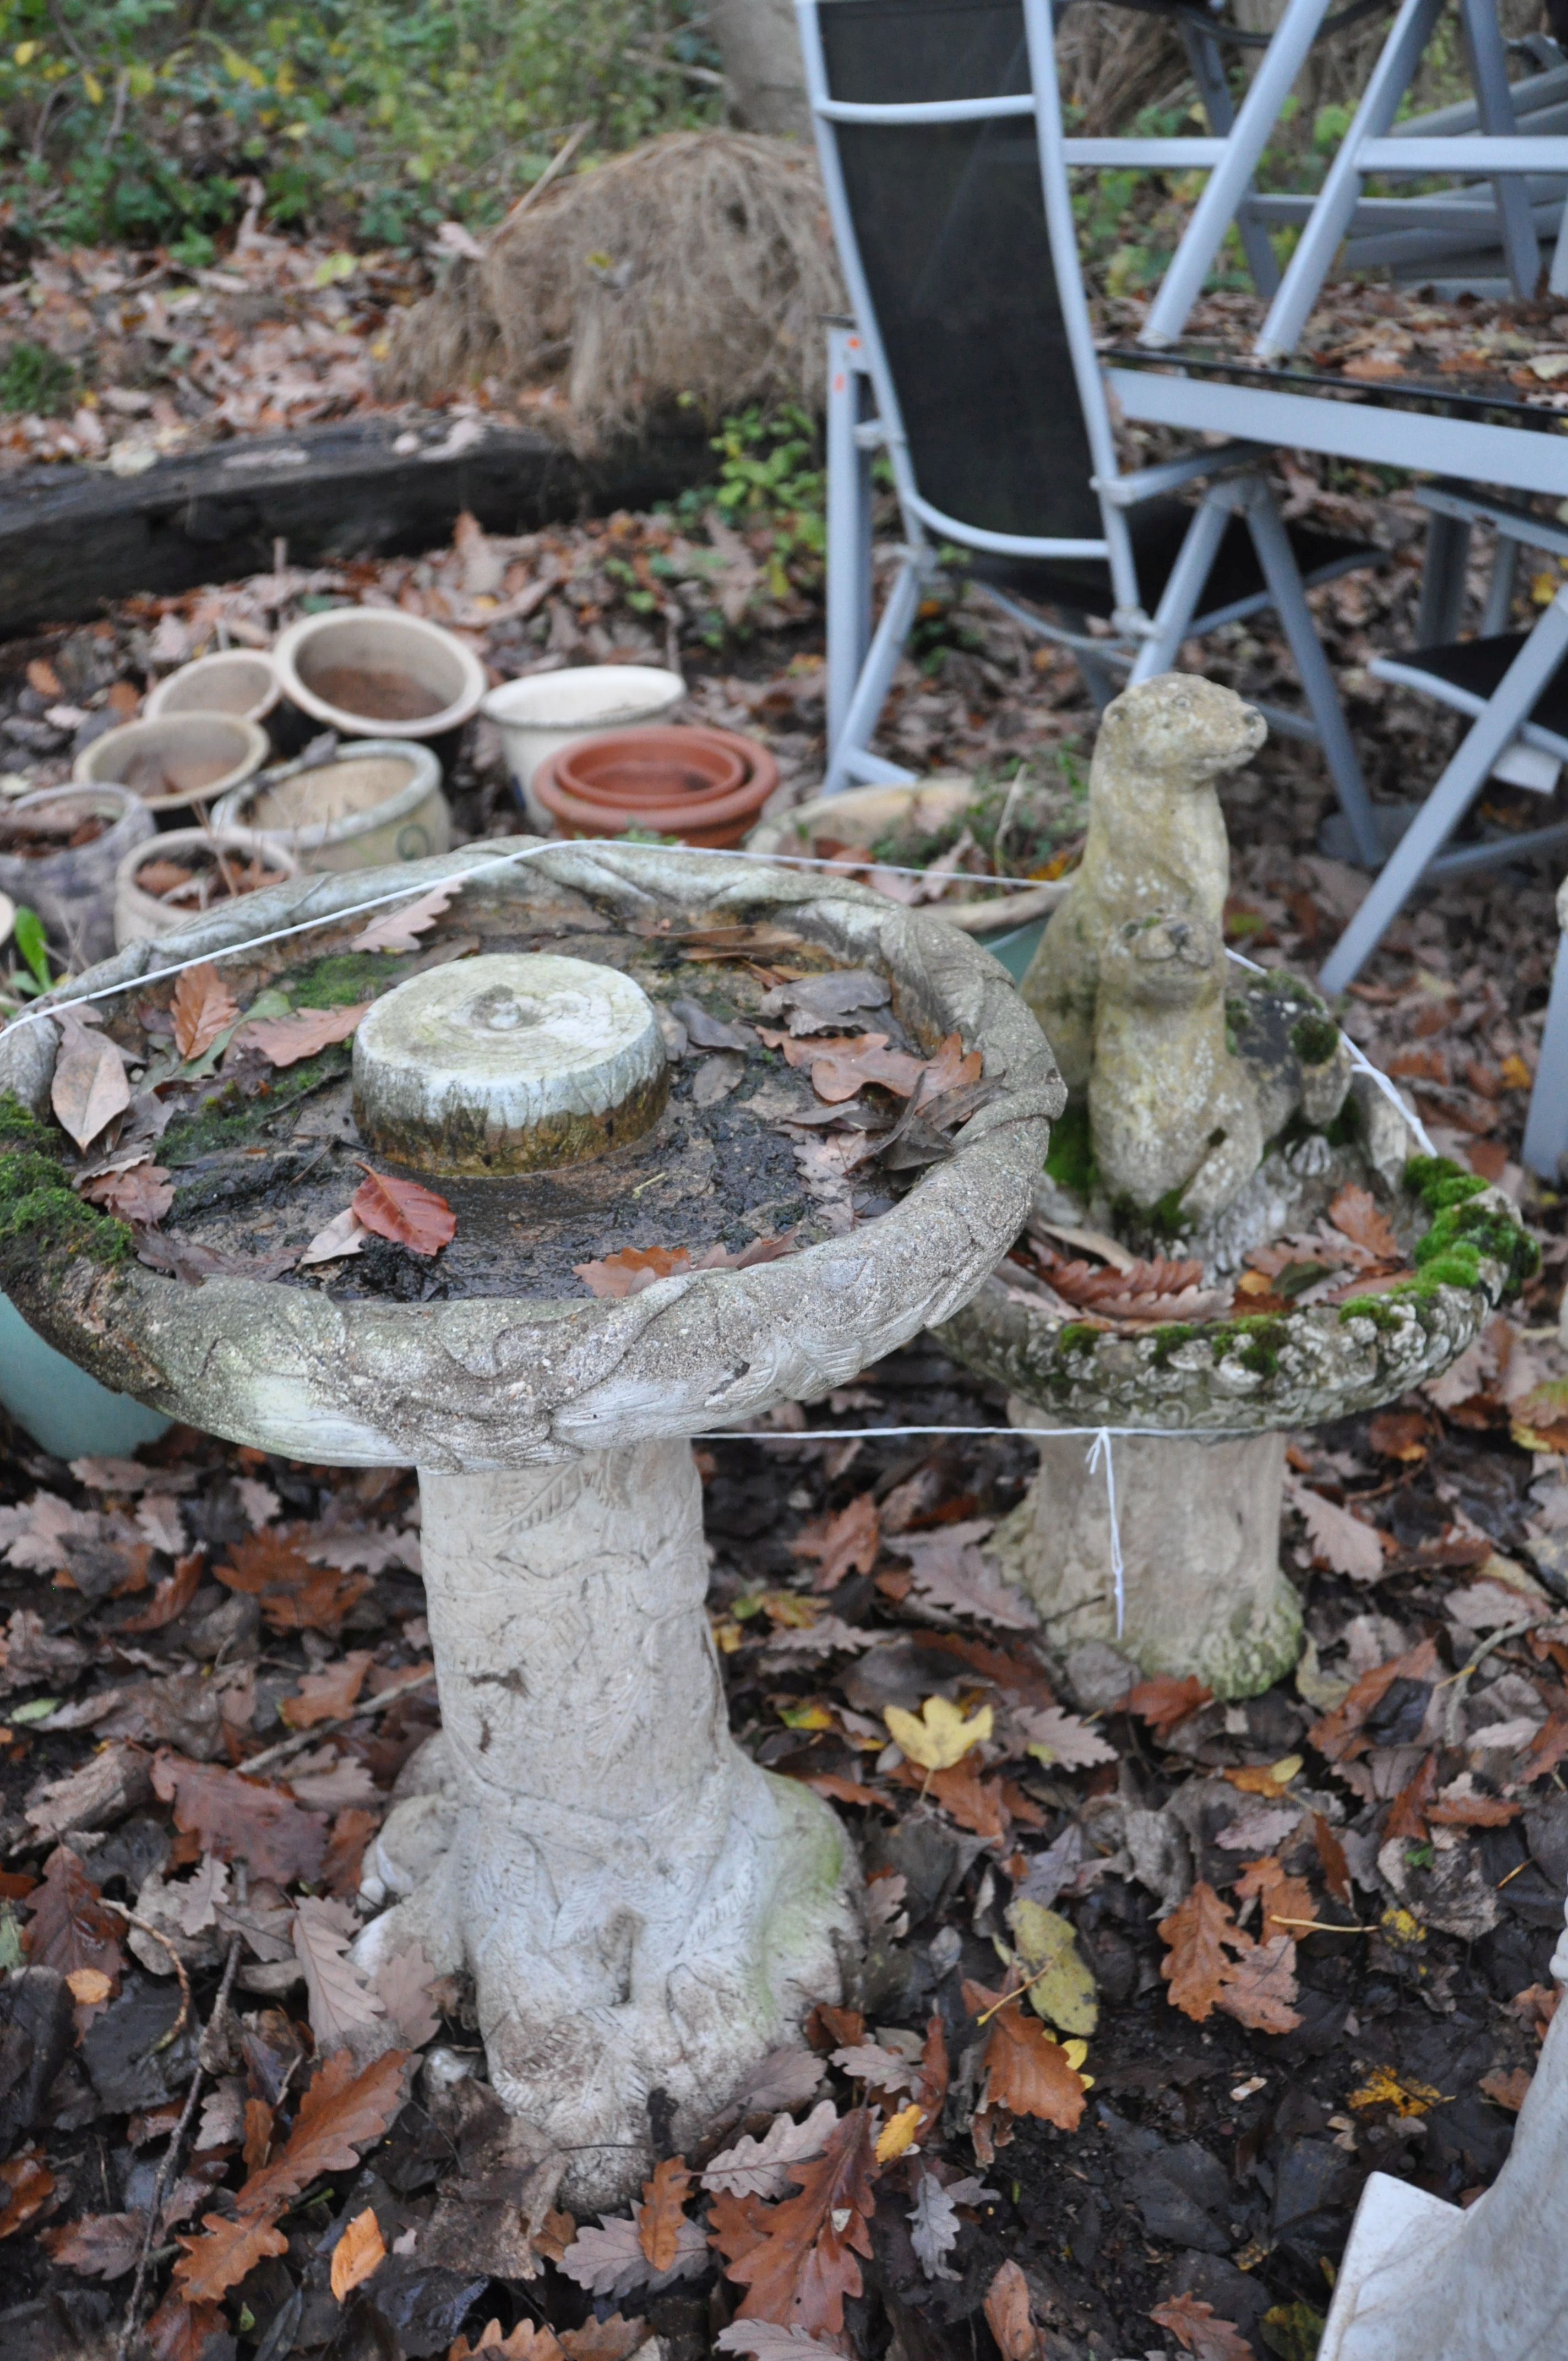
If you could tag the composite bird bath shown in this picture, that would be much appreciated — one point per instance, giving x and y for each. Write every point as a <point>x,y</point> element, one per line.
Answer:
<point>1213,1111</point>
<point>645,1912</point>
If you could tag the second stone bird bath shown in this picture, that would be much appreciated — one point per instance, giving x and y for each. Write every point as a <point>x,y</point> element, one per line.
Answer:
<point>1215,1111</point>
<point>645,1912</point>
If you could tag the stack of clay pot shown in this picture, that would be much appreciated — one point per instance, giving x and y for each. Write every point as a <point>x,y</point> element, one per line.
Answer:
<point>703,786</point>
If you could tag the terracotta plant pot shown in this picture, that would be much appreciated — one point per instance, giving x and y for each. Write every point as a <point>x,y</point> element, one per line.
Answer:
<point>242,681</point>
<point>364,671</point>
<point>670,782</point>
<point>545,712</point>
<point>379,800</point>
<point>59,851</point>
<point>219,865</point>
<point>176,762</point>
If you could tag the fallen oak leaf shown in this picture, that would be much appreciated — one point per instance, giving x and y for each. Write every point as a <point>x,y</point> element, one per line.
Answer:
<point>239,1819</point>
<point>844,1543</point>
<point>183,2331</point>
<point>804,2266</point>
<point>1340,1540</point>
<point>295,1596</point>
<point>661,2217</point>
<point>1026,2073</point>
<point>359,2252</point>
<point>99,2245</point>
<point>898,2134</point>
<point>754,2168</point>
<point>285,1041</point>
<point>1259,1987</point>
<point>342,1999</point>
<point>610,2260</point>
<point>1355,1212</point>
<point>202,1007</point>
<point>69,1929</point>
<point>1166,1702</point>
<point>345,1234</point>
<point>631,1269</point>
<point>341,2113</point>
<point>1196,1935</point>
<point>528,2340</point>
<point>142,1192</point>
<point>400,1210</point>
<point>399,930</point>
<point>1199,2330</point>
<point>1062,1741</point>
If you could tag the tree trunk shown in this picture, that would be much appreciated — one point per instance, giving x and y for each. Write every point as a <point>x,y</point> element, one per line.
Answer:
<point>759,45</point>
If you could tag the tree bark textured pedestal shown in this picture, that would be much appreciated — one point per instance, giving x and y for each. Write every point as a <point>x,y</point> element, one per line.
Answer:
<point>642,1909</point>
<point>1199,1523</point>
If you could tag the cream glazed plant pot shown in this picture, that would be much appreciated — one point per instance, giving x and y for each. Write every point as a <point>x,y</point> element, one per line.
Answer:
<point>642,1909</point>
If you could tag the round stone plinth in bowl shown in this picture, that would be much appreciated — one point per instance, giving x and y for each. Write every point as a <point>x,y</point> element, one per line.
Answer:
<point>508,1064</point>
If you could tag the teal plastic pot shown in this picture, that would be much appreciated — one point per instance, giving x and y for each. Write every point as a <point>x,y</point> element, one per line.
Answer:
<point>69,1414</point>
<point>1016,949</point>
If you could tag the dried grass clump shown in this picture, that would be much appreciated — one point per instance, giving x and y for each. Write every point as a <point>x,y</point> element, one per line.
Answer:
<point>1113,62</point>
<point>698,268</point>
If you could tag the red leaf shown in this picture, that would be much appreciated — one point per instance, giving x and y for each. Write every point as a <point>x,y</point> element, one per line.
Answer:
<point>141,1193</point>
<point>286,1039</point>
<point>1355,1214</point>
<point>1009,2317</point>
<point>201,1008</point>
<point>1025,2071</point>
<point>841,1544</point>
<point>1165,1702</point>
<point>1197,2331</point>
<point>400,1210</point>
<point>1196,1935</point>
<point>70,1928</point>
<point>663,2211</point>
<point>295,1596</point>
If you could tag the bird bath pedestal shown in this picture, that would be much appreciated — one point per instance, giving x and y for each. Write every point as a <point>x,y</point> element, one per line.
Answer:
<point>645,1912</point>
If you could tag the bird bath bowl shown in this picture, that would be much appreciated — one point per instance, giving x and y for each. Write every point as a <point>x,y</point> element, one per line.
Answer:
<point>1217,1112</point>
<point>645,1912</point>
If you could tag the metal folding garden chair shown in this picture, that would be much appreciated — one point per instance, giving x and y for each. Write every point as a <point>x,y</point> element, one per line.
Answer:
<point>1545,1146</point>
<point>1484,235</point>
<point>1513,685</point>
<point>971,364</point>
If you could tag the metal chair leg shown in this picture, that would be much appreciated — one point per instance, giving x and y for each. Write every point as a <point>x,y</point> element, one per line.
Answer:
<point>1184,586</point>
<point>1284,579</point>
<point>850,761</point>
<point>1450,798</point>
<point>849,531</point>
<point>1546,1127</point>
<point>1447,554</point>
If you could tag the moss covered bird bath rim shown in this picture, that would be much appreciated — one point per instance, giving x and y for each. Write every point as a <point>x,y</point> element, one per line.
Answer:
<point>287,1370</point>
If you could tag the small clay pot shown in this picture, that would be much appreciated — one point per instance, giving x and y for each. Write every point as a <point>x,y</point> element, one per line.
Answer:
<point>368,672</point>
<point>545,712</point>
<point>653,768</point>
<point>242,681</point>
<point>379,799</point>
<point>70,883</point>
<point>672,782</point>
<point>236,859</point>
<point>176,762</point>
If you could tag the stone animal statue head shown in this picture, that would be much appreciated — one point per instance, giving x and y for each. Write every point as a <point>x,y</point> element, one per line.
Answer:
<point>1164,962</point>
<point>1177,731</point>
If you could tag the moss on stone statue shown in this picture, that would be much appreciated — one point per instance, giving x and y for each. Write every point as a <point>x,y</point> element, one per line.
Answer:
<point>1464,1232</point>
<point>1314,1039</point>
<point>1439,1182</point>
<point>1079,1336</point>
<point>1168,1338</point>
<point>340,979</point>
<point>1071,1160</point>
<point>1263,1337</point>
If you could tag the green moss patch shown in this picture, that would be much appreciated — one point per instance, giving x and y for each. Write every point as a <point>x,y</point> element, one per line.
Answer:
<point>342,979</point>
<point>20,1129</point>
<point>230,1120</point>
<point>1314,1039</point>
<point>42,1218</point>
<point>1070,1161</point>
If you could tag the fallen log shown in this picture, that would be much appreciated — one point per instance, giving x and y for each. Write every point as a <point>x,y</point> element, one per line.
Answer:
<point>74,537</point>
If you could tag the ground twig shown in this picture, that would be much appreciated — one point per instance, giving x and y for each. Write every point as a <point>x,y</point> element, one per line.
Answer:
<point>319,1730</point>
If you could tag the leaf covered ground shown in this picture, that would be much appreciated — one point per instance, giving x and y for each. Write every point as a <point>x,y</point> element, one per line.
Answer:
<point>1153,1982</point>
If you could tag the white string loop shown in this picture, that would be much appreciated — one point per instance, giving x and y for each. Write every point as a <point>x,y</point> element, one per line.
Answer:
<point>1101,1443</point>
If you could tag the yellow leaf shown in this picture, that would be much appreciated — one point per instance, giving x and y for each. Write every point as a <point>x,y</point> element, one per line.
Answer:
<point>1515,1074</point>
<point>938,1736</point>
<point>25,52</point>
<point>1383,2089</point>
<point>1061,1988</point>
<point>898,2133</point>
<point>1288,1768</point>
<point>806,1716</point>
<point>93,86</point>
<point>1075,2052</point>
<point>359,2251</point>
<point>1543,590</point>
<point>88,1984</point>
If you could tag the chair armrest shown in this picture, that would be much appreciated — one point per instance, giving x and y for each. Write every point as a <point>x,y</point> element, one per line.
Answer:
<point>1514,524</point>
<point>1147,483</point>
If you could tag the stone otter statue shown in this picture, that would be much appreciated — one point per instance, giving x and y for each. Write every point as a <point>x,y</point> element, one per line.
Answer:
<point>1191,1066</point>
<point>1156,842</point>
<point>1172,1112</point>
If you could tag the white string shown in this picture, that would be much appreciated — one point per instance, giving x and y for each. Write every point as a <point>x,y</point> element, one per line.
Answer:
<point>1101,1443</point>
<point>481,869</point>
